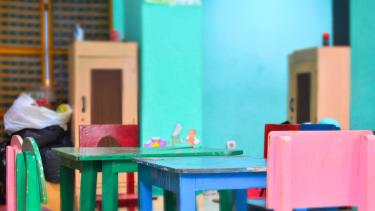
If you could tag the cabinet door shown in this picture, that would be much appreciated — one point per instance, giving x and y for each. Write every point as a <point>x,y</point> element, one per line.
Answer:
<point>302,92</point>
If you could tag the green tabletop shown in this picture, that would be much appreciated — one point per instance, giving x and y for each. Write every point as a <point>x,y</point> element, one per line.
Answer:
<point>223,164</point>
<point>125,153</point>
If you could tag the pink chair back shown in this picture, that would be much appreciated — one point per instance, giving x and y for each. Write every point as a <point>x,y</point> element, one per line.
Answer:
<point>11,151</point>
<point>321,169</point>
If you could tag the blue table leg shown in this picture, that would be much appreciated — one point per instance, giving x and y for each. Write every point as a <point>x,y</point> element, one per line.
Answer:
<point>240,199</point>
<point>145,193</point>
<point>186,199</point>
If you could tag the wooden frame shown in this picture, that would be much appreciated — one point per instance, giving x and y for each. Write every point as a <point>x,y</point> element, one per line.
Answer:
<point>41,50</point>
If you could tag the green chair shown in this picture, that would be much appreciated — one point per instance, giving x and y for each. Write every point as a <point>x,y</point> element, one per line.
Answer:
<point>31,187</point>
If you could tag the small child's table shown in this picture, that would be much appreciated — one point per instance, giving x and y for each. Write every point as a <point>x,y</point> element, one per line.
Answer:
<point>111,161</point>
<point>185,176</point>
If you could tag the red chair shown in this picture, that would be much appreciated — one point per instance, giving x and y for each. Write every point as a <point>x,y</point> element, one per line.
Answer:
<point>115,136</point>
<point>260,193</point>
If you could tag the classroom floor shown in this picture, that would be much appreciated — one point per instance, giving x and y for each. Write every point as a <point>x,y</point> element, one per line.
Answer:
<point>204,202</point>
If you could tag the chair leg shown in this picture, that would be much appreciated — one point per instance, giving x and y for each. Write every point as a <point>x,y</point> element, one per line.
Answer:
<point>130,182</point>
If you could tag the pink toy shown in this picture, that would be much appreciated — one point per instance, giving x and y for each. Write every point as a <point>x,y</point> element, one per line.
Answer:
<point>192,138</point>
<point>11,151</point>
<point>321,169</point>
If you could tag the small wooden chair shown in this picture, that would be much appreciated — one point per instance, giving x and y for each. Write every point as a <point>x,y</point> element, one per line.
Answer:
<point>30,183</point>
<point>113,135</point>
<point>257,196</point>
<point>11,153</point>
<point>321,169</point>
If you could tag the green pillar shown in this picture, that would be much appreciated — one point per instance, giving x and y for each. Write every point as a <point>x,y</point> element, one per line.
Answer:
<point>362,114</point>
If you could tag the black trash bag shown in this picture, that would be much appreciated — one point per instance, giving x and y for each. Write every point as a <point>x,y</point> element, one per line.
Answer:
<point>48,138</point>
<point>51,164</point>
<point>65,140</point>
<point>43,137</point>
<point>3,146</point>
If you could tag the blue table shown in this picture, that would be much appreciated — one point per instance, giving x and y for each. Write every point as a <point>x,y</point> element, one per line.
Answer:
<point>185,176</point>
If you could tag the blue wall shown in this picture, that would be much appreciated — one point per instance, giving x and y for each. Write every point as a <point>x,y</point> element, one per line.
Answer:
<point>246,44</point>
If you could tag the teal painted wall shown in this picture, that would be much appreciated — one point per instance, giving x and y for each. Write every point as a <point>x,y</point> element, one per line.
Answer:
<point>362,114</point>
<point>246,44</point>
<point>171,66</point>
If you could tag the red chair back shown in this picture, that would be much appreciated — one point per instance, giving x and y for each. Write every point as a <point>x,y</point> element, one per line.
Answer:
<point>97,135</point>
<point>276,127</point>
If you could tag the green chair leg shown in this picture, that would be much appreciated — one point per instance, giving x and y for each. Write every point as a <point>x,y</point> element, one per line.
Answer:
<point>226,200</point>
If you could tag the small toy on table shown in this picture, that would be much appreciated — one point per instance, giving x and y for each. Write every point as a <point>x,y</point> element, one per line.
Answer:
<point>192,138</point>
<point>176,138</point>
<point>156,143</point>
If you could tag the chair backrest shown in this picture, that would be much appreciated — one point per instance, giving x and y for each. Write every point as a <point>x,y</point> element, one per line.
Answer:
<point>35,173</point>
<point>312,127</point>
<point>292,127</point>
<point>321,169</point>
<point>101,135</point>
<point>11,153</point>
<point>276,127</point>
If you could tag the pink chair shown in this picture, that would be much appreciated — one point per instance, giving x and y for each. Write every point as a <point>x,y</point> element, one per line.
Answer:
<point>321,169</point>
<point>11,151</point>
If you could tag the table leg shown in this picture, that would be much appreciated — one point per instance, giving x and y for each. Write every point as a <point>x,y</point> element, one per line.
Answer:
<point>169,201</point>
<point>66,188</point>
<point>145,194</point>
<point>226,200</point>
<point>186,199</point>
<point>110,187</point>
<point>240,199</point>
<point>88,186</point>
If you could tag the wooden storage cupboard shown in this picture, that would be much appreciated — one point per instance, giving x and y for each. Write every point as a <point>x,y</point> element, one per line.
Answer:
<point>103,84</point>
<point>103,88</point>
<point>319,85</point>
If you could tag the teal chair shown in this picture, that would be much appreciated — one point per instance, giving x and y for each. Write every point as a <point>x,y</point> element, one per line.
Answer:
<point>30,182</point>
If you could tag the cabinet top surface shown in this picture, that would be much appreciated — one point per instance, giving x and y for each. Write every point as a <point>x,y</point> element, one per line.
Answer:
<point>223,164</point>
<point>126,153</point>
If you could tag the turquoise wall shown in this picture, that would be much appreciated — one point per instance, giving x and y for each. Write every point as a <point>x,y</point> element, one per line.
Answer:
<point>246,44</point>
<point>170,39</point>
<point>362,114</point>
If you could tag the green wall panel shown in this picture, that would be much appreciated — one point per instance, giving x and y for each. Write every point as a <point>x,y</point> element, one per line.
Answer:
<point>170,38</point>
<point>362,114</point>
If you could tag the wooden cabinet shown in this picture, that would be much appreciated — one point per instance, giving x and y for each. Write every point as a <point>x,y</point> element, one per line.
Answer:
<point>103,84</point>
<point>103,89</point>
<point>319,85</point>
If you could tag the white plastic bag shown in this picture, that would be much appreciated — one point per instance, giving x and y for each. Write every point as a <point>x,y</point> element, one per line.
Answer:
<point>26,113</point>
